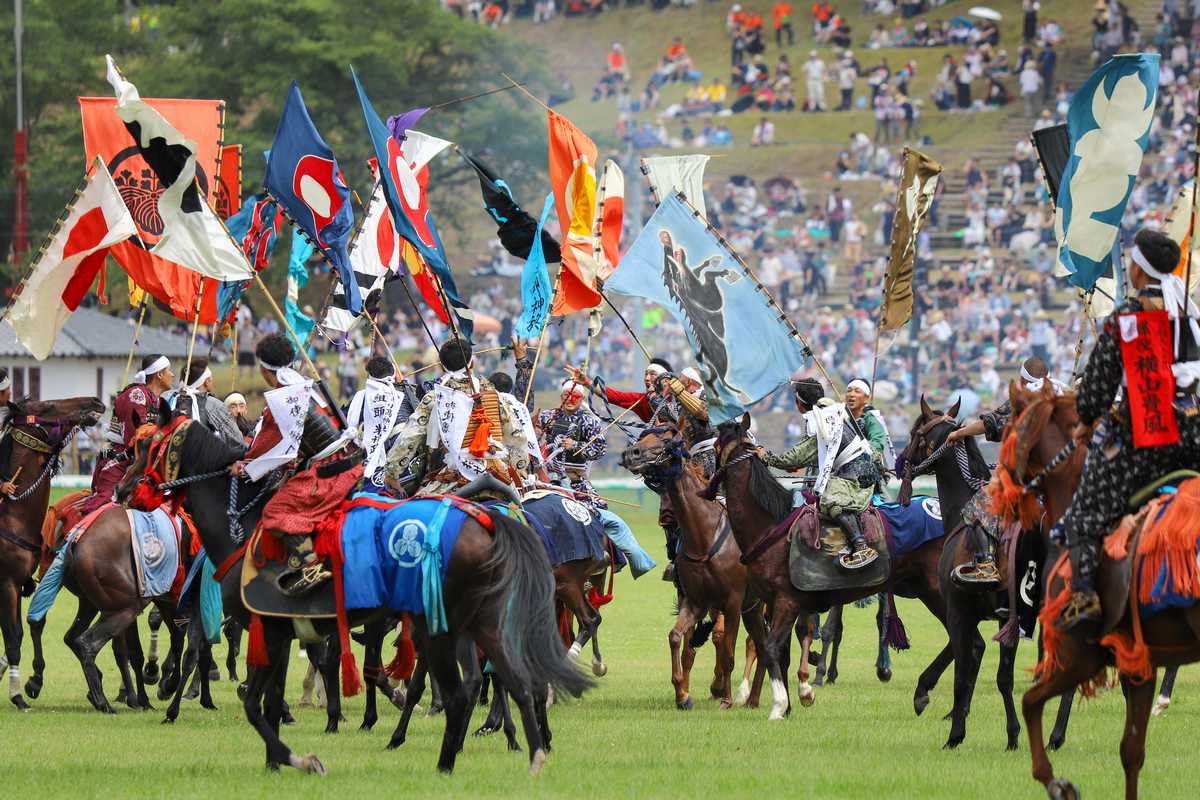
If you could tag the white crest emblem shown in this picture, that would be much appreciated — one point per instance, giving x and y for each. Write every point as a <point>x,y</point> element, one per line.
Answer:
<point>577,510</point>
<point>405,542</point>
<point>1029,584</point>
<point>932,507</point>
<point>137,396</point>
<point>153,550</point>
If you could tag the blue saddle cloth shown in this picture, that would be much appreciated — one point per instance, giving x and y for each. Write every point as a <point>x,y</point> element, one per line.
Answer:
<point>912,525</point>
<point>397,550</point>
<point>156,547</point>
<point>569,529</point>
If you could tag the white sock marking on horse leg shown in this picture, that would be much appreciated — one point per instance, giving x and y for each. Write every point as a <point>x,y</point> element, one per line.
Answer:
<point>574,652</point>
<point>14,681</point>
<point>779,690</point>
<point>153,656</point>
<point>743,693</point>
<point>807,695</point>
<point>1161,704</point>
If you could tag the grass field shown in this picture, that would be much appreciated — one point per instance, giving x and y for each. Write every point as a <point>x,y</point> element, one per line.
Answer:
<point>625,739</point>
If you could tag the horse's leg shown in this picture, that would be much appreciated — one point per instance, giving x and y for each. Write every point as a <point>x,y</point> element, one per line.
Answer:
<point>929,677</point>
<point>1165,690</point>
<point>1139,699</point>
<point>83,618</point>
<point>412,696</point>
<point>523,696</point>
<point>150,672</point>
<point>725,653</point>
<point>835,636</point>
<point>1004,684</point>
<point>804,633</point>
<point>444,667</point>
<point>472,676</point>
<point>173,664</point>
<point>233,636</point>
<point>137,662</point>
<point>1079,664</point>
<point>373,635</point>
<point>777,654</point>
<point>883,659</point>
<point>1058,735</point>
<point>756,635</point>
<point>676,639</point>
<point>33,686</point>
<point>10,628</point>
<point>207,665</point>
<point>120,646</point>
<point>190,656</point>
<point>327,658</point>
<point>599,668</point>
<point>506,720</point>
<point>92,641</point>
<point>963,633</point>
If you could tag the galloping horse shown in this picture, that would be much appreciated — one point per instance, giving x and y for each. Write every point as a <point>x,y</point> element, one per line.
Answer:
<point>40,430</point>
<point>958,469</point>
<point>1046,465</point>
<point>498,594</point>
<point>757,503</point>
<point>711,575</point>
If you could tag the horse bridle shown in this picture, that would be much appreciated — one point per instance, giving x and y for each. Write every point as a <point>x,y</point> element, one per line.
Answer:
<point>1034,483</point>
<point>61,430</point>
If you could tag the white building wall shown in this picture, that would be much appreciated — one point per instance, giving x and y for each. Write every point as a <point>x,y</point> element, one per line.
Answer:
<point>72,377</point>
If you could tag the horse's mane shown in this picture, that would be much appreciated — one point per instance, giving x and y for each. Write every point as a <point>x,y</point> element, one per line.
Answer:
<point>766,490</point>
<point>204,451</point>
<point>1009,500</point>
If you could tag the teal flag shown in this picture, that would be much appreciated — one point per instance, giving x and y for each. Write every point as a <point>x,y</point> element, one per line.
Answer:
<point>301,323</point>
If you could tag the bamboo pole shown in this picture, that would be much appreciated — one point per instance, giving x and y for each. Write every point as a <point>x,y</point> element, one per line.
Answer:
<point>187,370</point>
<point>133,345</point>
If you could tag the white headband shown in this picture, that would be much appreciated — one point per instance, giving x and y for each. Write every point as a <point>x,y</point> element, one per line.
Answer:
<point>861,385</point>
<point>236,397</point>
<point>570,385</point>
<point>196,384</point>
<point>286,375</point>
<point>656,369</point>
<point>160,363</point>
<point>5,383</point>
<point>1175,298</point>
<point>1144,263</point>
<point>691,373</point>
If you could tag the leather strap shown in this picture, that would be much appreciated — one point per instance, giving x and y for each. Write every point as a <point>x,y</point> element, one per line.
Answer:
<point>234,558</point>
<point>772,537</point>
<point>714,549</point>
<point>33,547</point>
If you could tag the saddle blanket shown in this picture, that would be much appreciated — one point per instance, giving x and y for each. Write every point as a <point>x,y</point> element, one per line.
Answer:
<point>569,529</point>
<point>913,525</point>
<point>394,549</point>
<point>155,539</point>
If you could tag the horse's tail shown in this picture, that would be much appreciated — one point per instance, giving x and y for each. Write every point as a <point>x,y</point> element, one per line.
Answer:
<point>529,634</point>
<point>47,589</point>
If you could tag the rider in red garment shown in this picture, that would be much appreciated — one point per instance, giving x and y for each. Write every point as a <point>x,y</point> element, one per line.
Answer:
<point>136,405</point>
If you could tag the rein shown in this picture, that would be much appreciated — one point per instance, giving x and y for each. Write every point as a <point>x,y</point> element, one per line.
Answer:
<point>1035,483</point>
<point>31,442</point>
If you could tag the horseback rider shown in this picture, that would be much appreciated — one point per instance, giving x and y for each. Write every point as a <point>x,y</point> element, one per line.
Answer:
<point>982,572</point>
<point>1115,467</point>
<point>846,470</point>
<point>195,399</point>
<point>488,432</point>
<point>574,437</point>
<point>297,427</point>
<point>697,432</point>
<point>236,403</point>
<point>870,422</point>
<point>134,406</point>
<point>373,415</point>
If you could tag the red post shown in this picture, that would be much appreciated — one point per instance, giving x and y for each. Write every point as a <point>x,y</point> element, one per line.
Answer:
<point>21,198</point>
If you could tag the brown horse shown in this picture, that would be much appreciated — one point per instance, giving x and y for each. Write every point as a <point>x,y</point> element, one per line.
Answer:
<point>757,503</point>
<point>1045,469</point>
<point>498,594</point>
<point>712,578</point>
<point>965,610</point>
<point>39,432</point>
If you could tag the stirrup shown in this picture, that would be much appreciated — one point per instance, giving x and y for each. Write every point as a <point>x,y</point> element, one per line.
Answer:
<point>858,559</point>
<point>1083,611</point>
<point>297,583</point>
<point>977,575</point>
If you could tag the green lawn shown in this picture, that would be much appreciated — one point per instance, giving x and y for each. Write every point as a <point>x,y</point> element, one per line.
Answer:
<point>623,740</point>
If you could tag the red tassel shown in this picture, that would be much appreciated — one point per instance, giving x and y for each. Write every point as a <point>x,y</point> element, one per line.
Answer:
<point>564,626</point>
<point>478,446</point>
<point>351,681</point>
<point>401,666</point>
<point>256,652</point>
<point>145,497</point>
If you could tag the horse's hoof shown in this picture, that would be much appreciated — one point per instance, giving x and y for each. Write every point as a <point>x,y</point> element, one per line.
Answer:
<point>1161,704</point>
<point>920,703</point>
<point>150,673</point>
<point>487,729</point>
<point>331,726</point>
<point>725,705</point>
<point>814,658</point>
<point>33,687</point>
<point>808,699</point>
<point>1061,789</point>
<point>209,706</point>
<point>537,761</point>
<point>309,764</point>
<point>952,743</point>
<point>743,694</point>
<point>394,743</point>
<point>287,718</point>
<point>19,702</point>
<point>241,692</point>
<point>513,747</point>
<point>233,678</point>
<point>685,704</point>
<point>306,702</point>
<point>367,725</point>
<point>107,709</point>
<point>1056,741</point>
<point>1012,745</point>
<point>599,669</point>
<point>819,680</point>
<point>434,710</point>
<point>168,720</point>
<point>884,674</point>
<point>949,716</point>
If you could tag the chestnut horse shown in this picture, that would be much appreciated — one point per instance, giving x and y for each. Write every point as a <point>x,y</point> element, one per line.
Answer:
<point>498,594</point>
<point>1046,469</point>
<point>757,503</point>
<point>927,452</point>
<point>708,565</point>
<point>39,432</point>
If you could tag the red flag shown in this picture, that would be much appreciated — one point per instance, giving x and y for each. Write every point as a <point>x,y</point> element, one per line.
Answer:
<point>228,199</point>
<point>1146,350</point>
<point>573,178</point>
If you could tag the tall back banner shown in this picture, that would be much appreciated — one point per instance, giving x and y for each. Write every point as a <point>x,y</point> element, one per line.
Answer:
<point>918,181</point>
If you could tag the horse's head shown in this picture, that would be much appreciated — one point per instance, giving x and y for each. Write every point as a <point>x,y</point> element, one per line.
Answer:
<point>1039,458</point>
<point>925,438</point>
<point>40,430</point>
<point>68,413</point>
<point>659,453</point>
<point>733,435</point>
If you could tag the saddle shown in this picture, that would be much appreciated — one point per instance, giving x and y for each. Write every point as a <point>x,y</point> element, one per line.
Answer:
<point>816,544</point>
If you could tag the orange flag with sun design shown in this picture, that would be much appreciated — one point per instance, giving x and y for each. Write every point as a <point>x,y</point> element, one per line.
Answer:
<point>573,178</point>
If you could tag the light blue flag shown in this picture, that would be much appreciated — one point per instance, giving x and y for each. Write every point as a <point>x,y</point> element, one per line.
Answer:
<point>1109,126</point>
<point>745,352</point>
<point>302,250</point>
<point>535,282</point>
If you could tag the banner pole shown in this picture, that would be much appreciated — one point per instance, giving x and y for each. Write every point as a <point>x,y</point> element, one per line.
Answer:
<point>187,370</point>
<point>137,331</point>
